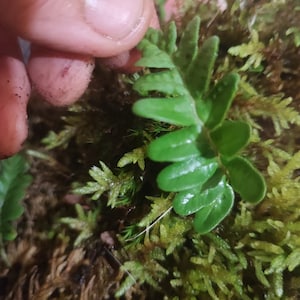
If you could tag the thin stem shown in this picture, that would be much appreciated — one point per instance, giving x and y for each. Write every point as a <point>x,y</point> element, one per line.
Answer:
<point>151,225</point>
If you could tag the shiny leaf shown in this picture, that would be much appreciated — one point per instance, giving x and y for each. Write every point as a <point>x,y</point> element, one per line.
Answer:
<point>246,179</point>
<point>231,137</point>
<point>177,111</point>
<point>175,146</point>
<point>168,82</point>
<point>190,201</point>
<point>208,217</point>
<point>170,38</point>
<point>188,46</point>
<point>199,74</point>
<point>153,56</point>
<point>187,174</point>
<point>221,97</point>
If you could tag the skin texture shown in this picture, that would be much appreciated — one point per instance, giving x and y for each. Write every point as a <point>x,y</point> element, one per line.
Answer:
<point>14,93</point>
<point>65,36</point>
<point>60,77</point>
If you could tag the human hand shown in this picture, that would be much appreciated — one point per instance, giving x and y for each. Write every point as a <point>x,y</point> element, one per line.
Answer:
<point>65,36</point>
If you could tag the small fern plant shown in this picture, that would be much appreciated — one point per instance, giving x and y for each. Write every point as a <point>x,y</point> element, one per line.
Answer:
<point>205,167</point>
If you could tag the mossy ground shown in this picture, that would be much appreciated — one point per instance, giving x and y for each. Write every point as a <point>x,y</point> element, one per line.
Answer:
<point>254,254</point>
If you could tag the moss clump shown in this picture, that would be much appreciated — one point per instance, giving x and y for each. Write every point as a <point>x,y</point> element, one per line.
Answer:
<point>129,230</point>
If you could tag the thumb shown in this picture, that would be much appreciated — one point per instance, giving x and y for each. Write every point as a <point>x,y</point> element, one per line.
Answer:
<point>99,28</point>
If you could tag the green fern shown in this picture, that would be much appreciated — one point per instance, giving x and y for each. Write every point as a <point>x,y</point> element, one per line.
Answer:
<point>205,167</point>
<point>13,183</point>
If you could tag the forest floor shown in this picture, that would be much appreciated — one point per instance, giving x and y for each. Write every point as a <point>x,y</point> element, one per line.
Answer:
<point>71,247</point>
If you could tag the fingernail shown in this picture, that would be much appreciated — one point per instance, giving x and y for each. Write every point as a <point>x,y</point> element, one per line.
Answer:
<point>115,19</point>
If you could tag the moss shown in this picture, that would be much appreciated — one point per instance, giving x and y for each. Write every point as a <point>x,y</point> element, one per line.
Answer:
<point>140,248</point>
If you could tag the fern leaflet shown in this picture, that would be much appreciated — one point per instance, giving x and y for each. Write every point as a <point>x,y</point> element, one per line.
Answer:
<point>13,184</point>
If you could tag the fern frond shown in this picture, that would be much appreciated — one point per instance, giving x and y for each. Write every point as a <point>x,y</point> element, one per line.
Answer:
<point>203,158</point>
<point>13,183</point>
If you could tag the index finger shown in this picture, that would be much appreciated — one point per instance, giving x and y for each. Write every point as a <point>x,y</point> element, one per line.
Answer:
<point>99,28</point>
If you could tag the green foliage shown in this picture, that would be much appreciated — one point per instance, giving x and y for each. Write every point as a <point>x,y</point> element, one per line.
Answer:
<point>225,139</point>
<point>252,50</point>
<point>205,265</point>
<point>205,165</point>
<point>160,208</point>
<point>13,183</point>
<point>275,107</point>
<point>141,272</point>
<point>159,205</point>
<point>160,8</point>
<point>295,31</point>
<point>61,139</point>
<point>119,188</point>
<point>84,223</point>
<point>220,201</point>
<point>221,262</point>
<point>78,126</point>
<point>164,239</point>
<point>255,252</point>
<point>241,171</point>
<point>137,155</point>
<point>272,255</point>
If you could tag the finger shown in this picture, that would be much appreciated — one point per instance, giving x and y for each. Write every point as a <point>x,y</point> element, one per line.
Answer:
<point>14,95</point>
<point>125,61</point>
<point>61,78</point>
<point>99,28</point>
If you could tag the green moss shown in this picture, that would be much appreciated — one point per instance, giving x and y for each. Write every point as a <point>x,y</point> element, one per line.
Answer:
<point>255,251</point>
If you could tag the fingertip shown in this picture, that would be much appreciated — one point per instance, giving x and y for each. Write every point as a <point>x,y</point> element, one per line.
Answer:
<point>60,78</point>
<point>96,28</point>
<point>14,95</point>
<point>124,62</point>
